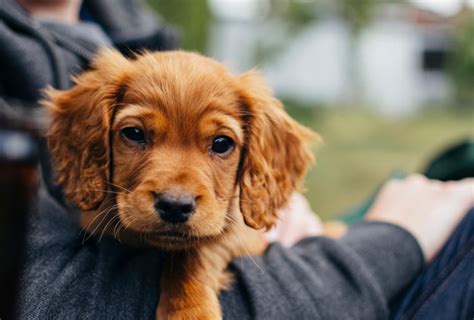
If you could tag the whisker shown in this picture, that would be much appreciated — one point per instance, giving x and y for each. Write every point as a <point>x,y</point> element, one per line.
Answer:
<point>244,246</point>
<point>242,254</point>
<point>125,221</point>
<point>117,235</point>
<point>87,233</point>
<point>119,225</point>
<point>107,191</point>
<point>114,218</point>
<point>100,223</point>
<point>118,186</point>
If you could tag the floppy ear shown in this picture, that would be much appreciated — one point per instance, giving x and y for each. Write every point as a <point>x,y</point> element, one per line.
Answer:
<point>78,137</point>
<point>276,154</point>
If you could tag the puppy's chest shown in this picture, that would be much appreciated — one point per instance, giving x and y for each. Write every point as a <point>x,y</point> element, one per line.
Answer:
<point>243,241</point>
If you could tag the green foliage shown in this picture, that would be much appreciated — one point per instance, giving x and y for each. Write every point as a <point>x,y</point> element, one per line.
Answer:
<point>296,14</point>
<point>192,17</point>
<point>358,13</point>
<point>461,64</point>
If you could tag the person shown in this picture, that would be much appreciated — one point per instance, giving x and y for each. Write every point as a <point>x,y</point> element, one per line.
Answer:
<point>43,43</point>
<point>360,275</point>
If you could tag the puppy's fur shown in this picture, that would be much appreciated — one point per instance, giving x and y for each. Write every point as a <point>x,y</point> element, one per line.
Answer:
<point>182,102</point>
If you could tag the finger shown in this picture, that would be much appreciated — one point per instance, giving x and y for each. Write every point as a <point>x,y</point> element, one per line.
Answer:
<point>466,189</point>
<point>460,196</point>
<point>416,178</point>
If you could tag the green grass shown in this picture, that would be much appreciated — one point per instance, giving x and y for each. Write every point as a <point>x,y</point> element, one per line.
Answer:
<point>360,149</point>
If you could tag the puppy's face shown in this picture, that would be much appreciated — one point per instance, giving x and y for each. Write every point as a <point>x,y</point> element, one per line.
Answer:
<point>177,144</point>
<point>177,139</point>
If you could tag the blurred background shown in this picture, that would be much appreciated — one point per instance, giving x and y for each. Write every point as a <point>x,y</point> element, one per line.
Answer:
<point>387,84</point>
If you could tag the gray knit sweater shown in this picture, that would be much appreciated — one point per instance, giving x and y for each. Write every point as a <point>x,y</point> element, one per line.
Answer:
<point>319,278</point>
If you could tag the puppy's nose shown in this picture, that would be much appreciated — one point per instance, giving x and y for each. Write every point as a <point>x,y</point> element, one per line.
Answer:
<point>175,208</point>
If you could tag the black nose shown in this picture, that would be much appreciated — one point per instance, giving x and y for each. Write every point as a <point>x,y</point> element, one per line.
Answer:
<point>175,208</point>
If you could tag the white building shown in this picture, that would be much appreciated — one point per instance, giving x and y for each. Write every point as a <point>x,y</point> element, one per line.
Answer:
<point>399,58</point>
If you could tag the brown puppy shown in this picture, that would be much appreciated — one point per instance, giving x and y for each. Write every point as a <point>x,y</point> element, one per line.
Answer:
<point>172,150</point>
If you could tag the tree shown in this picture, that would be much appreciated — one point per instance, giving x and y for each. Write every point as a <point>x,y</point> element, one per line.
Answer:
<point>357,14</point>
<point>192,17</point>
<point>461,61</point>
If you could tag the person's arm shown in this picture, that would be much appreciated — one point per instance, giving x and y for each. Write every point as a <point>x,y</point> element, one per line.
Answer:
<point>429,209</point>
<point>353,277</point>
<point>356,276</point>
<point>319,278</point>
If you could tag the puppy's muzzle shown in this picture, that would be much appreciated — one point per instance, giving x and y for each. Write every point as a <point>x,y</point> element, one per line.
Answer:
<point>175,208</point>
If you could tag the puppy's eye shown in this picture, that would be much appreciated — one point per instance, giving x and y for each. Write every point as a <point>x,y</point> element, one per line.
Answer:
<point>222,145</point>
<point>134,134</point>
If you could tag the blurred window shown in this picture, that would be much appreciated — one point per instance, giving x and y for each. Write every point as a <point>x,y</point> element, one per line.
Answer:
<point>434,59</point>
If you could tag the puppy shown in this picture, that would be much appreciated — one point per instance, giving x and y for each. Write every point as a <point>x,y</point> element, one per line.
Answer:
<point>172,150</point>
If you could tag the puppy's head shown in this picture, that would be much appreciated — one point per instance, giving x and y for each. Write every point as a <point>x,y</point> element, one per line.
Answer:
<point>177,144</point>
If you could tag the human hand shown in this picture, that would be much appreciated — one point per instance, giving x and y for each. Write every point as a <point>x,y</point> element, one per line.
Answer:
<point>296,222</point>
<point>59,10</point>
<point>428,209</point>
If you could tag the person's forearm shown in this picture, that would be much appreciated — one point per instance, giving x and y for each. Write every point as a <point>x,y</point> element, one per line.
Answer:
<point>429,209</point>
<point>391,254</point>
<point>320,278</point>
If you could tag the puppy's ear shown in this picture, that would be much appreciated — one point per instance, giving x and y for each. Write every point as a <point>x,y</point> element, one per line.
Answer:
<point>78,137</point>
<point>276,155</point>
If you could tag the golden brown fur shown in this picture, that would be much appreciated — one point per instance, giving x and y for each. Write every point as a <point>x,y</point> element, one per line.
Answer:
<point>181,101</point>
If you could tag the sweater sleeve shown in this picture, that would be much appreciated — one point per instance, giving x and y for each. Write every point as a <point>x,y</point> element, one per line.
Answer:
<point>68,276</point>
<point>354,277</point>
